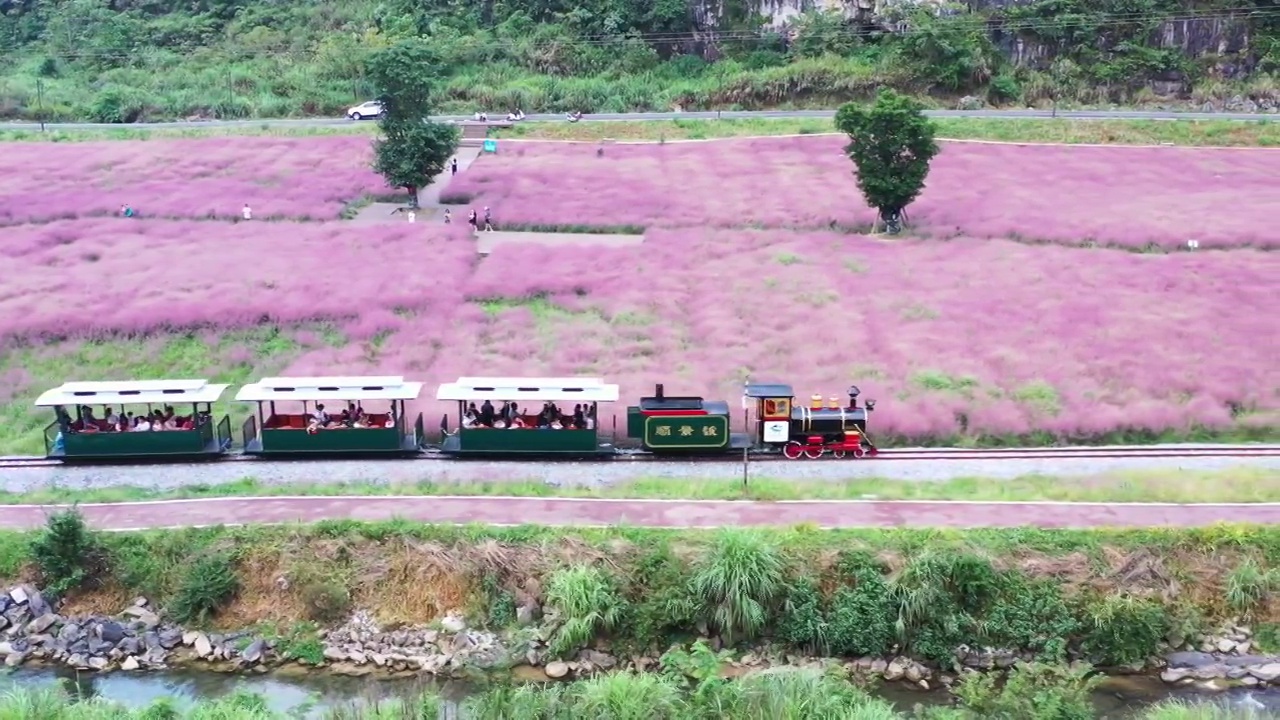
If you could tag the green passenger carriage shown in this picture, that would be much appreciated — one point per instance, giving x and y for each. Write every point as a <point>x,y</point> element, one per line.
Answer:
<point>286,421</point>
<point>551,416</point>
<point>93,420</point>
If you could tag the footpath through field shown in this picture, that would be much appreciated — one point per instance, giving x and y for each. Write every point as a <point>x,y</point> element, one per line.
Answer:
<point>595,512</point>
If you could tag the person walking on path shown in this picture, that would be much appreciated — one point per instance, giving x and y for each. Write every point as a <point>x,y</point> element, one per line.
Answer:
<point>246,213</point>
<point>473,222</point>
<point>448,216</point>
<point>413,216</point>
<point>488,220</point>
<point>454,167</point>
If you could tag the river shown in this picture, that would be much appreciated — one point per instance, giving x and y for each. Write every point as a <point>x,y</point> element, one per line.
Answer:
<point>309,694</point>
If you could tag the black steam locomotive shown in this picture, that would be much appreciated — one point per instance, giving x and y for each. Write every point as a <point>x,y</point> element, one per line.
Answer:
<point>671,425</point>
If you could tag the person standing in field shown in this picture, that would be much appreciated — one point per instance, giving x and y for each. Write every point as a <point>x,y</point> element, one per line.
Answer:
<point>488,220</point>
<point>472,221</point>
<point>413,216</point>
<point>246,213</point>
<point>454,166</point>
<point>448,216</point>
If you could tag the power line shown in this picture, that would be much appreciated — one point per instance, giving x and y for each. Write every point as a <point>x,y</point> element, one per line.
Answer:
<point>1110,20</point>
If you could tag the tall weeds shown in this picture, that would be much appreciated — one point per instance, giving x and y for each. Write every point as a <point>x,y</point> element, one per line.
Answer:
<point>738,583</point>
<point>588,603</point>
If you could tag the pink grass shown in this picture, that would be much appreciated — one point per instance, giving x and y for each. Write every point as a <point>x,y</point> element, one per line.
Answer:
<point>1125,196</point>
<point>1011,337</point>
<point>115,275</point>
<point>299,178</point>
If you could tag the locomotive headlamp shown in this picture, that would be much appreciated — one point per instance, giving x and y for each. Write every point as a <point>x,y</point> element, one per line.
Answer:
<point>871,405</point>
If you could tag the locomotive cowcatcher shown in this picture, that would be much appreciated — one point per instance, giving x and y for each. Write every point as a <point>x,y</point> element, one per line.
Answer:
<point>810,431</point>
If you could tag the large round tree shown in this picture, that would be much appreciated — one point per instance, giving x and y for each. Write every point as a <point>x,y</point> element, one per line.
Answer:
<point>412,150</point>
<point>891,143</point>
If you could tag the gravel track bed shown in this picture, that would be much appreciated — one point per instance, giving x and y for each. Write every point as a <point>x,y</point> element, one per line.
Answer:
<point>583,474</point>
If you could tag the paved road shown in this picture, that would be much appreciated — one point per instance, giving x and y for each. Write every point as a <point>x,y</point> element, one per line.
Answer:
<point>983,114</point>
<point>646,513</point>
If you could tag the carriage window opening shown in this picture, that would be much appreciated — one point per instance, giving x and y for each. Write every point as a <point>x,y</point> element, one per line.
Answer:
<point>328,389</point>
<point>85,393</point>
<point>573,390</point>
<point>283,389</point>
<point>528,389</point>
<point>130,392</point>
<point>482,389</point>
<point>167,392</point>
<point>373,387</point>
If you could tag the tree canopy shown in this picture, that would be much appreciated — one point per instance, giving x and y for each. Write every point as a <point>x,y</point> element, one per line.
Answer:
<point>892,144</point>
<point>413,150</point>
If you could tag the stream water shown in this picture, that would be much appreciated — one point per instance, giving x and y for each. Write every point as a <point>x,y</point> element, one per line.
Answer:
<point>307,695</point>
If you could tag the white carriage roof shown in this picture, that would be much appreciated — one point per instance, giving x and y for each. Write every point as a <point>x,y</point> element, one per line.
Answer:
<point>127,392</point>
<point>532,389</point>
<point>390,387</point>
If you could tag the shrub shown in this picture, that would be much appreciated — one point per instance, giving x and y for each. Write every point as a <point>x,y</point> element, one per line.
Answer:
<point>939,598</point>
<point>588,604</point>
<point>1044,692</point>
<point>802,623</point>
<point>662,603</point>
<point>1031,615</point>
<point>738,583</point>
<point>326,602</point>
<point>861,617</point>
<point>67,554</point>
<point>208,585</point>
<point>1121,629</point>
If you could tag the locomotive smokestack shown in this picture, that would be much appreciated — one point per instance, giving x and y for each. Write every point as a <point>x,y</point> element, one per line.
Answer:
<point>658,391</point>
<point>854,392</point>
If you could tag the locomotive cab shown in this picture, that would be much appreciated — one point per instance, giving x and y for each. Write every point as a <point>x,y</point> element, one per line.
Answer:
<point>812,429</point>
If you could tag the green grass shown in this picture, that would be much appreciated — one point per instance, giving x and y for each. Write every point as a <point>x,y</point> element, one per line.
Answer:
<point>235,357</point>
<point>1264,133</point>
<point>53,133</point>
<point>1239,484</point>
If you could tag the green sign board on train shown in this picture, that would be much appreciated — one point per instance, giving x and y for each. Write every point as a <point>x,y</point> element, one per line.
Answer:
<point>491,146</point>
<point>690,432</point>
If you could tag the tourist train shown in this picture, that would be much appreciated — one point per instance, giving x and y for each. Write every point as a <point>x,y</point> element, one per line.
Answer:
<point>174,420</point>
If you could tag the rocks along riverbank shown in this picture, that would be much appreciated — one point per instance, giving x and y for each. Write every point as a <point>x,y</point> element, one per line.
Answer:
<point>140,638</point>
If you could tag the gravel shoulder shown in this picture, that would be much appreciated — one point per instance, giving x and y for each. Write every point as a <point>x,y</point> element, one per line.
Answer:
<point>161,478</point>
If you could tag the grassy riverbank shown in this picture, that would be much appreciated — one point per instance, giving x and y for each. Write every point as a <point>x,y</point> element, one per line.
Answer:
<point>1222,133</point>
<point>1233,485</point>
<point>1108,597</point>
<point>1265,133</point>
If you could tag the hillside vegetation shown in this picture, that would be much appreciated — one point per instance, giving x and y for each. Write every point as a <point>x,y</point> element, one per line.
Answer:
<point>130,60</point>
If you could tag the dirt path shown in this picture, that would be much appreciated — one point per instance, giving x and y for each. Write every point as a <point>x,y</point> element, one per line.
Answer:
<point>648,513</point>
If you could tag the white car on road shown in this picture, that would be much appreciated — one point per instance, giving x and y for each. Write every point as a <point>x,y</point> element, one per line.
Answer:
<point>371,109</point>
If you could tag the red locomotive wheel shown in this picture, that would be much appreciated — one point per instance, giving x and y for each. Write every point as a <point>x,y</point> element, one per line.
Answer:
<point>859,453</point>
<point>813,452</point>
<point>838,454</point>
<point>792,450</point>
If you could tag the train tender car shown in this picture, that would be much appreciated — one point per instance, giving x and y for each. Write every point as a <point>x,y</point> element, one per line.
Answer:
<point>683,425</point>
<point>94,421</point>
<point>810,431</point>
<point>551,416</point>
<point>378,425</point>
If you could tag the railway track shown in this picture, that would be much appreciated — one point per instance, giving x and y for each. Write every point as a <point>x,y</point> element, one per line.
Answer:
<point>898,454</point>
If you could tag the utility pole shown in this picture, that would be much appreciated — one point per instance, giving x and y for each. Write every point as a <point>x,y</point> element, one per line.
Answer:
<point>40,102</point>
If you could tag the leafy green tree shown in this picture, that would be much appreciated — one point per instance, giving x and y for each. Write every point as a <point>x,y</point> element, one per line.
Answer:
<point>413,150</point>
<point>892,144</point>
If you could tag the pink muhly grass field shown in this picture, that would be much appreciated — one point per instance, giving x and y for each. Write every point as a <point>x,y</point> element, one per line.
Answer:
<point>1006,336</point>
<point>1124,196</point>
<point>1013,337</point>
<point>279,177</point>
<point>111,275</point>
